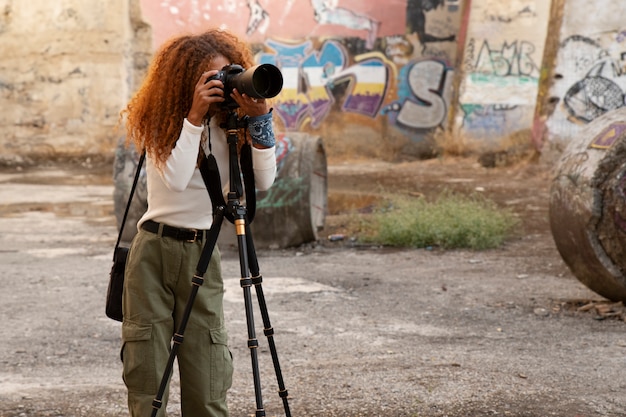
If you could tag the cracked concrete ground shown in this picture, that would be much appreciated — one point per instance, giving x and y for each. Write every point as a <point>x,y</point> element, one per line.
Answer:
<point>360,331</point>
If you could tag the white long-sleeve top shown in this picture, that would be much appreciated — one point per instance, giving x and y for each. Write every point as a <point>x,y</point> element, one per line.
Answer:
<point>177,195</point>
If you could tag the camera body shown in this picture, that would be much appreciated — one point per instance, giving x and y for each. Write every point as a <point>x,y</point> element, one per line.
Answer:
<point>261,81</point>
<point>226,75</point>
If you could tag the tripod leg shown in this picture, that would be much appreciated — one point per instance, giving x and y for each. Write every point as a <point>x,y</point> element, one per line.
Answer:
<point>268,330</point>
<point>242,229</point>
<point>197,281</point>
<point>246,283</point>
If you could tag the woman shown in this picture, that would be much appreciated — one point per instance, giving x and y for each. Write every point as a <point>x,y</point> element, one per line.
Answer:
<point>175,116</point>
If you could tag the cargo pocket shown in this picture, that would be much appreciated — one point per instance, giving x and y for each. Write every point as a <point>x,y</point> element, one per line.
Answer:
<point>221,364</point>
<point>138,357</point>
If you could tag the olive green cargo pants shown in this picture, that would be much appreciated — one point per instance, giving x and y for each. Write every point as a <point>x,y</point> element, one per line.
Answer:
<point>156,289</point>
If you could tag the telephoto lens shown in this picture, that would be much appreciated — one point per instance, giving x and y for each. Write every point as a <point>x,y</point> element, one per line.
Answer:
<point>261,81</point>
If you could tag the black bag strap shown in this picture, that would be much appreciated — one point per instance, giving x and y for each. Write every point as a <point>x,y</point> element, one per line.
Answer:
<point>130,199</point>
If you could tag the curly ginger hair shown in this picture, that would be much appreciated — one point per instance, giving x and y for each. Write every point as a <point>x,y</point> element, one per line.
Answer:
<point>155,114</point>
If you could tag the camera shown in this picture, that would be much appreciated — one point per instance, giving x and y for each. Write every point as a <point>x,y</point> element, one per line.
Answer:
<point>261,81</point>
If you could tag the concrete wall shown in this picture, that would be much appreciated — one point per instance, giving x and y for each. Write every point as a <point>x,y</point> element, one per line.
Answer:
<point>589,75</point>
<point>501,67</point>
<point>67,69</point>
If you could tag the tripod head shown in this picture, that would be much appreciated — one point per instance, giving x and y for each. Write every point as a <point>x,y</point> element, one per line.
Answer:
<point>234,122</point>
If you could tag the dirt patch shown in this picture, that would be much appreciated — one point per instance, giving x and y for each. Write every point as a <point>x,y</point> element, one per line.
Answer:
<point>360,331</point>
<point>522,187</point>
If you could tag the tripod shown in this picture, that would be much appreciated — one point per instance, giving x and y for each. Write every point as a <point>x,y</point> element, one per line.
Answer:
<point>237,213</point>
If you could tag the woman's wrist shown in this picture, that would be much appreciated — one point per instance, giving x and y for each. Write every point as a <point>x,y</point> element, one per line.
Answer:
<point>261,130</point>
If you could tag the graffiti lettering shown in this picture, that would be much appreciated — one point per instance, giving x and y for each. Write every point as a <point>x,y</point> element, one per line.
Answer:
<point>305,92</point>
<point>427,81</point>
<point>368,79</point>
<point>309,77</point>
<point>512,60</point>
<point>424,91</point>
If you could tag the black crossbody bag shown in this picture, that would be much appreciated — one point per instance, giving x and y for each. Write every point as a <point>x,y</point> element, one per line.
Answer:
<point>113,308</point>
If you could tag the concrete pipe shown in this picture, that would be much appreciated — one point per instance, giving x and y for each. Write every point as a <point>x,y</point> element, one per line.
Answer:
<point>293,210</point>
<point>588,205</point>
<point>289,214</point>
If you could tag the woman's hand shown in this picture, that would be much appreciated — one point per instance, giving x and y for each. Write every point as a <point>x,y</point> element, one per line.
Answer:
<point>250,106</point>
<point>205,94</point>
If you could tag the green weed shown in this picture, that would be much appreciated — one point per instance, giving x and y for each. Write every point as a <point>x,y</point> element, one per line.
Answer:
<point>449,222</point>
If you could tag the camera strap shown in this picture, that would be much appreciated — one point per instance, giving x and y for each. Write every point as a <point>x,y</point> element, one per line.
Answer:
<point>211,176</point>
<point>248,180</point>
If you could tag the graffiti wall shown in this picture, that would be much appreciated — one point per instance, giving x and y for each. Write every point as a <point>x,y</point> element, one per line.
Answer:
<point>502,63</point>
<point>353,69</point>
<point>362,72</point>
<point>589,77</point>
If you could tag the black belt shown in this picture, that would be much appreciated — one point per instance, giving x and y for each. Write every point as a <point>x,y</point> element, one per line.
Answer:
<point>188,235</point>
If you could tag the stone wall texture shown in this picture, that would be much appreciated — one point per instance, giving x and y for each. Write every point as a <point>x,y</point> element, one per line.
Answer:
<point>67,69</point>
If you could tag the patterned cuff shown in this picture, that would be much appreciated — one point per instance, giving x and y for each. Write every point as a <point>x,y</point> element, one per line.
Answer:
<point>261,129</point>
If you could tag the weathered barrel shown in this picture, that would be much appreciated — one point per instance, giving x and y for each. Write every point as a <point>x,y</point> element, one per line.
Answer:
<point>293,210</point>
<point>289,214</point>
<point>588,205</point>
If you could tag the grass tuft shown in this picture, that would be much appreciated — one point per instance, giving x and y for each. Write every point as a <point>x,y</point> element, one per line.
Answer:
<point>449,222</point>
